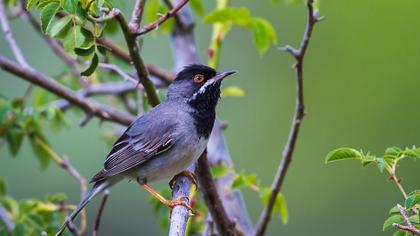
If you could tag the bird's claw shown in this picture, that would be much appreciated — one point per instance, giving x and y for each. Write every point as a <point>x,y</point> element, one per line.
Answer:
<point>186,174</point>
<point>180,202</point>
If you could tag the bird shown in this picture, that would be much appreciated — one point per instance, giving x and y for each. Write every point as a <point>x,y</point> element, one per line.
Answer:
<point>165,141</point>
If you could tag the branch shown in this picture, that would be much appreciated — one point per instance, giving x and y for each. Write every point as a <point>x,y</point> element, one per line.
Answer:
<point>288,150</point>
<point>4,216</point>
<point>9,36</point>
<point>137,15</point>
<point>209,193</point>
<point>409,227</point>
<point>160,20</point>
<point>99,214</point>
<point>138,63</point>
<point>90,106</point>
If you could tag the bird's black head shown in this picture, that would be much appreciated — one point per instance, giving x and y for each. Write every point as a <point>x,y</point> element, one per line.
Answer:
<point>197,83</point>
<point>199,86</point>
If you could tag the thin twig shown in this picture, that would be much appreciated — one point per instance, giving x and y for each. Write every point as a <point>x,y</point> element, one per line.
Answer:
<point>138,63</point>
<point>137,15</point>
<point>99,214</point>
<point>160,20</point>
<point>209,193</point>
<point>6,219</point>
<point>17,52</point>
<point>288,150</point>
<point>36,77</point>
<point>409,226</point>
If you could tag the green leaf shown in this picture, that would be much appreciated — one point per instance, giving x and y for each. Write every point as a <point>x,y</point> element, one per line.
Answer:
<point>219,170</point>
<point>69,6</point>
<point>102,49</point>
<point>197,6</point>
<point>152,8</point>
<point>399,233</point>
<point>368,159</point>
<point>14,140</point>
<point>47,14</point>
<point>87,34</point>
<point>381,164</point>
<point>392,153</point>
<point>58,27</point>
<point>85,51</point>
<point>237,16</point>
<point>20,230</point>
<point>412,199</point>
<point>281,207</point>
<point>413,152</point>
<point>30,4</point>
<point>343,154</point>
<point>233,91</point>
<point>39,151</point>
<point>391,220</point>
<point>394,210</point>
<point>238,182</point>
<point>92,67</point>
<point>263,34</point>
<point>3,190</point>
<point>43,3</point>
<point>81,12</point>
<point>74,38</point>
<point>18,103</point>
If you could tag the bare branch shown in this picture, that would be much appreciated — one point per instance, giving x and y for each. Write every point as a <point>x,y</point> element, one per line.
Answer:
<point>138,63</point>
<point>137,15</point>
<point>297,120</point>
<point>209,192</point>
<point>33,76</point>
<point>160,20</point>
<point>17,52</point>
<point>99,214</point>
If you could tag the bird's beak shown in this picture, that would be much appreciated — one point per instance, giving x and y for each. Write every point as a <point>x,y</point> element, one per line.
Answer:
<point>222,75</point>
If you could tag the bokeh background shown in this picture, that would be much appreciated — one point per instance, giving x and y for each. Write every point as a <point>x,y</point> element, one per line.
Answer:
<point>361,88</point>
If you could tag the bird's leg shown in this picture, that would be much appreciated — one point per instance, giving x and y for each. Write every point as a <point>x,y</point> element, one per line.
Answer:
<point>169,203</point>
<point>184,173</point>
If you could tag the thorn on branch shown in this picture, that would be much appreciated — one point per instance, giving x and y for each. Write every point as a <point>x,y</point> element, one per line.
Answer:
<point>294,52</point>
<point>86,119</point>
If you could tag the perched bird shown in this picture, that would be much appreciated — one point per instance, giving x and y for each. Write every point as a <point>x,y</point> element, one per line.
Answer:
<point>165,141</point>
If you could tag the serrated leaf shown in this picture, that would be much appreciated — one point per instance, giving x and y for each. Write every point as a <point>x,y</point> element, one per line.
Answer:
<point>30,4</point>
<point>58,27</point>
<point>219,170</point>
<point>47,14</point>
<point>84,51</point>
<point>391,220</point>
<point>92,67</point>
<point>412,199</point>
<point>412,153</point>
<point>14,140</point>
<point>197,6</point>
<point>3,190</point>
<point>392,153</point>
<point>263,34</point>
<point>237,16</point>
<point>233,91</point>
<point>69,6</point>
<point>343,154</point>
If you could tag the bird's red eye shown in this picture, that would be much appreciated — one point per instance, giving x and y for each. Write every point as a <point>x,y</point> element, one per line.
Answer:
<point>198,78</point>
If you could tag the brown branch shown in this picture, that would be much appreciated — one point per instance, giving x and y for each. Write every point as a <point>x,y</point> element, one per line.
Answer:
<point>99,214</point>
<point>137,15</point>
<point>288,150</point>
<point>209,193</point>
<point>409,227</point>
<point>138,63</point>
<point>90,106</point>
<point>17,52</point>
<point>160,20</point>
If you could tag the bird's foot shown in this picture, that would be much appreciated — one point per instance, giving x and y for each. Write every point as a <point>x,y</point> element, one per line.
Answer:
<point>181,202</point>
<point>183,173</point>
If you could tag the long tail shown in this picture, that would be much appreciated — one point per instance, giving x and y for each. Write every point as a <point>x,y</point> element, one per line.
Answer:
<point>96,189</point>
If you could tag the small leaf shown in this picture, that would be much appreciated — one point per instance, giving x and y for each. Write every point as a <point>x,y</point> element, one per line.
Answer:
<point>391,220</point>
<point>69,6</point>
<point>30,4</point>
<point>238,182</point>
<point>14,140</point>
<point>20,230</point>
<point>43,3</point>
<point>3,189</point>
<point>343,154</point>
<point>263,34</point>
<point>233,91</point>
<point>392,153</point>
<point>281,207</point>
<point>87,34</point>
<point>59,26</point>
<point>94,63</point>
<point>102,49</point>
<point>411,153</point>
<point>219,170</point>
<point>237,16</point>
<point>47,14</point>
<point>394,210</point>
<point>18,103</point>
<point>412,199</point>
<point>381,164</point>
<point>73,39</point>
<point>197,6</point>
<point>84,51</point>
<point>39,151</point>
<point>152,8</point>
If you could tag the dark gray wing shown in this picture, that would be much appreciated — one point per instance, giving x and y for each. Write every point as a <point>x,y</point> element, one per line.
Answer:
<point>144,139</point>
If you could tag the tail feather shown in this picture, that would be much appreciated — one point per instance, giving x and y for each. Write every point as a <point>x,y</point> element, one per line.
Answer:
<point>96,189</point>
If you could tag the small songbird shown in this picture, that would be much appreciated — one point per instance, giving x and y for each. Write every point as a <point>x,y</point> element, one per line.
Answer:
<point>165,141</point>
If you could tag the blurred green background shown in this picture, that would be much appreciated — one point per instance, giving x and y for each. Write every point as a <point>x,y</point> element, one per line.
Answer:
<point>361,87</point>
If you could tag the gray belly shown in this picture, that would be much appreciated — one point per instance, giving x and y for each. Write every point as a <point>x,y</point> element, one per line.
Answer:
<point>172,162</point>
